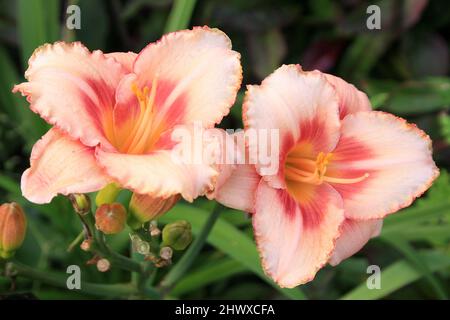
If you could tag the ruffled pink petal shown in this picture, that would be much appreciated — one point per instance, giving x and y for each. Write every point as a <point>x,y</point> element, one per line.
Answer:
<point>351,100</point>
<point>295,240</point>
<point>396,155</point>
<point>61,165</point>
<point>198,75</point>
<point>73,89</point>
<point>303,106</point>
<point>236,184</point>
<point>126,59</point>
<point>165,171</point>
<point>354,235</point>
<point>238,190</point>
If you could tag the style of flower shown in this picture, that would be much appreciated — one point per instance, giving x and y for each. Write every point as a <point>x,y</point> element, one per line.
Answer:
<point>113,115</point>
<point>342,169</point>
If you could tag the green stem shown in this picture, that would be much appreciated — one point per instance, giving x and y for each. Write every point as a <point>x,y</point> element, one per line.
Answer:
<point>191,254</point>
<point>76,241</point>
<point>115,258</point>
<point>60,280</point>
<point>180,15</point>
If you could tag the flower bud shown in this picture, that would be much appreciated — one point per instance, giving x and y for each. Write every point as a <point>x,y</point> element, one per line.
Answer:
<point>80,202</point>
<point>103,265</point>
<point>166,253</point>
<point>86,245</point>
<point>144,208</point>
<point>107,195</point>
<point>13,226</point>
<point>110,218</point>
<point>177,235</point>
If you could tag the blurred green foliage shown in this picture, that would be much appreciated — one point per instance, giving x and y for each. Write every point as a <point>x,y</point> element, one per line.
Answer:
<point>404,68</point>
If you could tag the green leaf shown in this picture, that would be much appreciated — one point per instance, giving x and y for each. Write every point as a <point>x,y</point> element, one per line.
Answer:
<point>180,15</point>
<point>399,275</point>
<point>30,126</point>
<point>228,239</point>
<point>208,274</point>
<point>38,24</point>
<point>416,261</point>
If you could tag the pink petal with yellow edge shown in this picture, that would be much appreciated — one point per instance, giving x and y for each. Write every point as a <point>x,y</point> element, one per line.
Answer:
<point>396,155</point>
<point>351,100</point>
<point>165,172</point>
<point>61,165</point>
<point>303,106</point>
<point>126,59</point>
<point>146,207</point>
<point>74,89</point>
<point>354,235</point>
<point>198,64</point>
<point>295,240</point>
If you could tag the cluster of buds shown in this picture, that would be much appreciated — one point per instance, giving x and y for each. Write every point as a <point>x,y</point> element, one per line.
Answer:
<point>13,226</point>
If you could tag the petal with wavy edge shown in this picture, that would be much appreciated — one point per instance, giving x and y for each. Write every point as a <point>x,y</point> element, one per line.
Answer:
<point>354,235</point>
<point>294,240</point>
<point>396,155</point>
<point>61,165</point>
<point>198,64</point>
<point>74,89</point>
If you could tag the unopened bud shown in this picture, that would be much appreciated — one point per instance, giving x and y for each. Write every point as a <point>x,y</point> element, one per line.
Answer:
<point>166,253</point>
<point>86,245</point>
<point>110,218</point>
<point>144,208</point>
<point>80,202</point>
<point>177,235</point>
<point>103,265</point>
<point>107,195</point>
<point>13,226</point>
<point>154,230</point>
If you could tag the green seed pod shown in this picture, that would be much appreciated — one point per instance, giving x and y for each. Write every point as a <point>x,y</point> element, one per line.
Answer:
<point>177,235</point>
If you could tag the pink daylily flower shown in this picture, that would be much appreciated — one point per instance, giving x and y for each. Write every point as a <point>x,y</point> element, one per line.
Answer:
<point>342,169</point>
<point>113,115</point>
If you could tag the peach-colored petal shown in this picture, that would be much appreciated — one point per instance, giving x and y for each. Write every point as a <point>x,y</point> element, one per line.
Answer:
<point>166,171</point>
<point>303,106</point>
<point>198,65</point>
<point>396,155</point>
<point>146,207</point>
<point>126,59</point>
<point>238,189</point>
<point>73,89</point>
<point>61,165</point>
<point>295,240</point>
<point>354,235</point>
<point>236,184</point>
<point>351,100</point>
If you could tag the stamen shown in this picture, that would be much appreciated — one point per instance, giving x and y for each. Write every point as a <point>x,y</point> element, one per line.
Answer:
<point>138,137</point>
<point>318,173</point>
<point>346,180</point>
